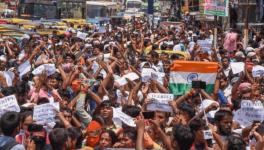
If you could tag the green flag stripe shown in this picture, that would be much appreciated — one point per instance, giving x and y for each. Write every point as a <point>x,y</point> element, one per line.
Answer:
<point>180,89</point>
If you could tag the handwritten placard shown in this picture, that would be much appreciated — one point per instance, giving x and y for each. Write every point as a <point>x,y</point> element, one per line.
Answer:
<point>206,45</point>
<point>119,117</point>
<point>148,73</point>
<point>24,68</point>
<point>45,113</point>
<point>123,80</point>
<point>49,69</point>
<point>160,101</point>
<point>257,71</point>
<point>81,35</point>
<point>8,103</point>
<point>249,112</point>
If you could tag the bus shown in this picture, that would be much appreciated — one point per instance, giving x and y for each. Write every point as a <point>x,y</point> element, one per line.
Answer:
<point>37,9</point>
<point>134,5</point>
<point>72,8</point>
<point>133,9</point>
<point>99,12</point>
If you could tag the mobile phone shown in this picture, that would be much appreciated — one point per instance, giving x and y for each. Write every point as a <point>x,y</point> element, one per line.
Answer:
<point>148,114</point>
<point>207,134</point>
<point>198,84</point>
<point>35,128</point>
<point>256,121</point>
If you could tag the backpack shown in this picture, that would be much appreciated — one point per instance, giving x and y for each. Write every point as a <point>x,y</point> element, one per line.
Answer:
<point>9,145</point>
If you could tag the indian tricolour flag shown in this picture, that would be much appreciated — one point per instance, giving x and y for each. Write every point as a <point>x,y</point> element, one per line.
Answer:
<point>183,72</point>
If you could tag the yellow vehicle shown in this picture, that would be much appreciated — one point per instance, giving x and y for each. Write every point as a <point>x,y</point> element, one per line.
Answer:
<point>76,22</point>
<point>4,29</point>
<point>49,31</point>
<point>185,55</point>
<point>11,31</point>
<point>17,20</point>
<point>24,24</point>
<point>60,23</point>
<point>52,25</point>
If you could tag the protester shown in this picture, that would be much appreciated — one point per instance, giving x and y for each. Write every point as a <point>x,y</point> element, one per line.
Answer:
<point>9,125</point>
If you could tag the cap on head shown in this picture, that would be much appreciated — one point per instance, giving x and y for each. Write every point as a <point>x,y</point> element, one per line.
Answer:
<point>240,54</point>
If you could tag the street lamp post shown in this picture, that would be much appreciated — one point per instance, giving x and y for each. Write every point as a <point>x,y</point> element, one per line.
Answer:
<point>245,42</point>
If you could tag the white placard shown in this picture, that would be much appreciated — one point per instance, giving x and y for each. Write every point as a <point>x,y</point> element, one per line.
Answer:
<point>158,76</point>
<point>119,117</point>
<point>107,57</point>
<point>131,76</point>
<point>160,101</point>
<point>205,44</point>
<point>49,69</point>
<point>81,35</point>
<point>45,113</point>
<point>257,71</point>
<point>206,103</point>
<point>8,103</point>
<point>24,68</point>
<point>148,73</point>
<point>249,112</point>
<point>101,30</point>
<point>9,76</point>
<point>237,67</point>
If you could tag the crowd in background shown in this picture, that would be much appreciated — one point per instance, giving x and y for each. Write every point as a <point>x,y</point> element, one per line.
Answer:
<point>82,77</point>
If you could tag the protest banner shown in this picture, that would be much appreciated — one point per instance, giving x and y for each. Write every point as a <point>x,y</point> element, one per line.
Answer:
<point>183,72</point>
<point>216,8</point>
<point>9,103</point>
<point>160,101</point>
<point>249,112</point>
<point>45,113</point>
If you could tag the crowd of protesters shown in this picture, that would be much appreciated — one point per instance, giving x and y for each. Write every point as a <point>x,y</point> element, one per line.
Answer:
<point>84,84</point>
